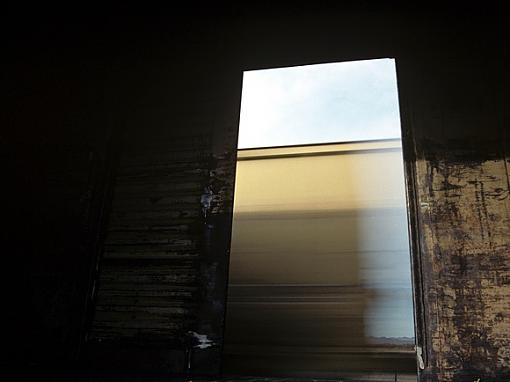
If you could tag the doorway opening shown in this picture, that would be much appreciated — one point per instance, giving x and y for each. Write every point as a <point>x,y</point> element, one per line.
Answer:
<point>320,274</point>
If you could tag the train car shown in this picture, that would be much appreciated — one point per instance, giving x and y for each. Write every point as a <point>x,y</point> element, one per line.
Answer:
<point>319,278</point>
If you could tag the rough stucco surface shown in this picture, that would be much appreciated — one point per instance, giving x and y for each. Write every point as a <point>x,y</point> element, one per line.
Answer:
<point>464,211</point>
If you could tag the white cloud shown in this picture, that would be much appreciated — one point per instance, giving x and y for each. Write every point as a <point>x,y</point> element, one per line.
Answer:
<point>319,103</point>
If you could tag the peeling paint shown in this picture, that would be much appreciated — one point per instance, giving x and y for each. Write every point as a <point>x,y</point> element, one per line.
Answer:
<point>206,200</point>
<point>149,282</point>
<point>465,231</point>
<point>419,356</point>
<point>203,342</point>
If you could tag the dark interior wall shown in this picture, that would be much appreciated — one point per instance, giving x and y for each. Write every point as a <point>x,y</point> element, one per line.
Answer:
<point>166,86</point>
<point>163,269</point>
<point>55,147</point>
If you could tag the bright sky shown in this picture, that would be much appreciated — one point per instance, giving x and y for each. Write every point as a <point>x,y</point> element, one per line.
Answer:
<point>346,101</point>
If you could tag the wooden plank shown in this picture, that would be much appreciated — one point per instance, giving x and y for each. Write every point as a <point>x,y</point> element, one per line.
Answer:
<point>465,215</point>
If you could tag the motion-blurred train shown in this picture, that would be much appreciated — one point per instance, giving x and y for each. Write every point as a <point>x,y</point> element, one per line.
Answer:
<point>319,279</point>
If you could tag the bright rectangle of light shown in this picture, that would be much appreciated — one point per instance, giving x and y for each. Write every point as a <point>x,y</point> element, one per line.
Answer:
<point>334,102</point>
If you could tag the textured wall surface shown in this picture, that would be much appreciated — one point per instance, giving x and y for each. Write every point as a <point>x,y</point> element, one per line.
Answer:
<point>462,218</point>
<point>465,211</point>
<point>160,288</point>
<point>148,285</point>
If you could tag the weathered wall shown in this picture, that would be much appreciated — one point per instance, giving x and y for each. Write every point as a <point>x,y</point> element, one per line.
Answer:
<point>460,171</point>
<point>163,270</point>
